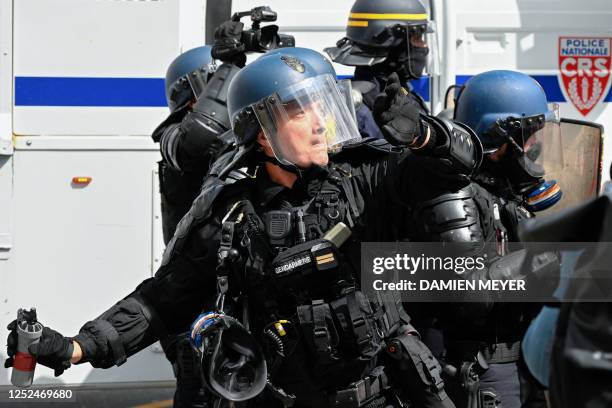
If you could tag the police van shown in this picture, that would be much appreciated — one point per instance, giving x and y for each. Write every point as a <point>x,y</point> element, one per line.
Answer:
<point>82,88</point>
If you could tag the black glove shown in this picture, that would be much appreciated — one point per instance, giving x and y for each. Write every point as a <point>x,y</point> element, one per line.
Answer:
<point>398,115</point>
<point>11,343</point>
<point>52,350</point>
<point>228,46</point>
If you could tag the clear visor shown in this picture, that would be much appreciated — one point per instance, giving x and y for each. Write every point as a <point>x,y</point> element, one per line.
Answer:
<point>345,86</point>
<point>580,173</point>
<point>197,80</point>
<point>423,55</point>
<point>305,122</point>
<point>541,143</point>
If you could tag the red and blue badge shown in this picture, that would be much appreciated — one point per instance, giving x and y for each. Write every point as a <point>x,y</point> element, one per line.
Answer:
<point>584,65</point>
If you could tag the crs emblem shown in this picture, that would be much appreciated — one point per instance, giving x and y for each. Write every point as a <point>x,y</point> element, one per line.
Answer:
<point>584,64</point>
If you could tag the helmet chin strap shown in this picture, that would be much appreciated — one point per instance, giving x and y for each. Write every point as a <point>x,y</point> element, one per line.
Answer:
<point>291,168</point>
<point>300,172</point>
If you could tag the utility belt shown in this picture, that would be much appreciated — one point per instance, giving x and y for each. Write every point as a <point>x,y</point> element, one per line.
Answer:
<point>492,353</point>
<point>367,392</point>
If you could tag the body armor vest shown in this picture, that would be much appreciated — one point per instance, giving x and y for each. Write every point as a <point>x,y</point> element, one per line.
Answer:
<point>302,288</point>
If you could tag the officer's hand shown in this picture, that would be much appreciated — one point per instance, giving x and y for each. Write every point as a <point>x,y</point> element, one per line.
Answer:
<point>52,350</point>
<point>227,46</point>
<point>11,343</point>
<point>397,114</point>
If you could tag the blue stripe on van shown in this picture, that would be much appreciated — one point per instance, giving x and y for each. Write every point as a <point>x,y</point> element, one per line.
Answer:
<point>149,92</point>
<point>65,91</point>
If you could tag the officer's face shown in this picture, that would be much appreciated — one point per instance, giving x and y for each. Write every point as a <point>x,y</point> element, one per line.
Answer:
<point>497,155</point>
<point>417,40</point>
<point>302,136</point>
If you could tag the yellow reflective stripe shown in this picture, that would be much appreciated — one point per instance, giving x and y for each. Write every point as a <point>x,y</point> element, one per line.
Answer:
<point>325,258</point>
<point>388,16</point>
<point>356,23</point>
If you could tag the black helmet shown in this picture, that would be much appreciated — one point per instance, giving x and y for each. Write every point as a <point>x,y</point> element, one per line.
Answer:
<point>233,365</point>
<point>389,31</point>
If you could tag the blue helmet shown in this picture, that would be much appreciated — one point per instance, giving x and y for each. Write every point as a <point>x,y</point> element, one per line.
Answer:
<point>510,108</point>
<point>179,83</point>
<point>499,95</point>
<point>270,73</point>
<point>281,86</point>
<point>322,64</point>
<point>316,59</point>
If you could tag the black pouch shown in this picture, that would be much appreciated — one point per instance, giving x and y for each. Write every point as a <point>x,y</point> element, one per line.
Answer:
<point>319,333</point>
<point>356,321</point>
<point>416,369</point>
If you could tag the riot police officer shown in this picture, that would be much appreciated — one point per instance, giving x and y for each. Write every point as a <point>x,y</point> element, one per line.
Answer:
<point>509,112</point>
<point>190,137</point>
<point>280,252</point>
<point>188,145</point>
<point>386,37</point>
<point>196,92</point>
<point>520,135</point>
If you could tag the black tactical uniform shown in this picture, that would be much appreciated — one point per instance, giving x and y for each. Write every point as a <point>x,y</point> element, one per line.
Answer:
<point>348,349</point>
<point>505,191</point>
<point>365,196</point>
<point>190,139</point>
<point>509,322</point>
<point>491,330</point>
<point>373,83</point>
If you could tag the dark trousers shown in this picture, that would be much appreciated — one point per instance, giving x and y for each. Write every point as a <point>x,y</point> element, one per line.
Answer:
<point>511,382</point>
<point>190,391</point>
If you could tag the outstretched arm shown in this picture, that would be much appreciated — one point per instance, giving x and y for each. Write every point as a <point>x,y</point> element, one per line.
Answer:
<point>167,302</point>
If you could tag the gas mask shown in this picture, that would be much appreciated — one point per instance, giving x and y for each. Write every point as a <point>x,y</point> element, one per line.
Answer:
<point>533,145</point>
